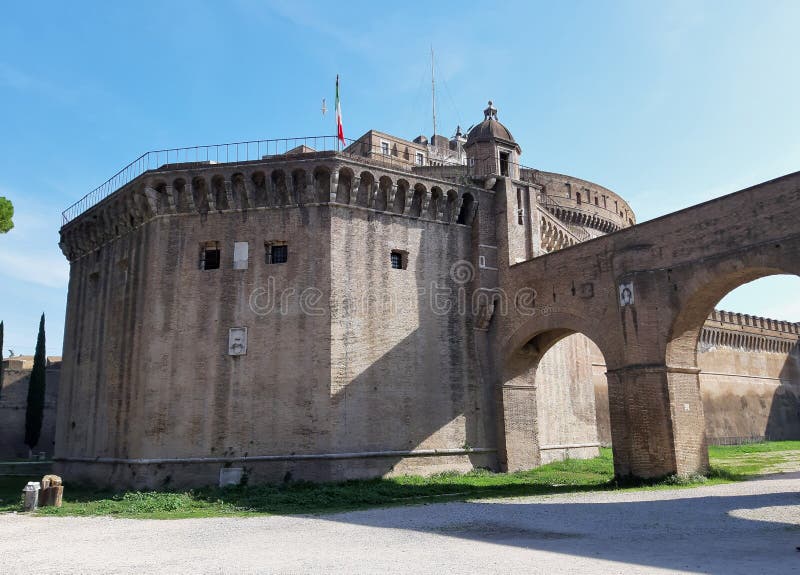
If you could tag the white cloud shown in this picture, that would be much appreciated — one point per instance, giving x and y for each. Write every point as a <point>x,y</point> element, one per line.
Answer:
<point>36,267</point>
<point>29,252</point>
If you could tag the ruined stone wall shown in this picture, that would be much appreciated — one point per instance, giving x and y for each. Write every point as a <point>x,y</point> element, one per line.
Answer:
<point>14,401</point>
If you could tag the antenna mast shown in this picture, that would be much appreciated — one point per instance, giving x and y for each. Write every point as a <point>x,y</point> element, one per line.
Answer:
<point>433,95</point>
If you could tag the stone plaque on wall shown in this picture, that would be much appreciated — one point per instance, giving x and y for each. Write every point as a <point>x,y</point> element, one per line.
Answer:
<point>625,294</point>
<point>237,341</point>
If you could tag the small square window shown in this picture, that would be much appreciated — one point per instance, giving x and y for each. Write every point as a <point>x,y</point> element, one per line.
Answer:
<point>277,253</point>
<point>384,148</point>
<point>209,256</point>
<point>398,260</point>
<point>420,159</point>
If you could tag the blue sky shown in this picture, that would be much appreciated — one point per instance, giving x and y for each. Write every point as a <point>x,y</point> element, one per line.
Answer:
<point>668,104</point>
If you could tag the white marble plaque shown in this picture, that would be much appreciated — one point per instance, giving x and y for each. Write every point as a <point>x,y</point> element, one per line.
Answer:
<point>237,341</point>
<point>625,294</point>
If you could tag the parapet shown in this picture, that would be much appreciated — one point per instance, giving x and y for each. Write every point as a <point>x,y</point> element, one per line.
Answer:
<point>749,333</point>
<point>277,182</point>
<point>733,320</point>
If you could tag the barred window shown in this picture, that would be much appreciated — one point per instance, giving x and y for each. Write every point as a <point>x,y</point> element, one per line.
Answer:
<point>398,260</point>
<point>209,256</point>
<point>277,252</point>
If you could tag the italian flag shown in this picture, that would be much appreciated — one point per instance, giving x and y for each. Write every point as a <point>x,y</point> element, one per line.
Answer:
<point>339,129</point>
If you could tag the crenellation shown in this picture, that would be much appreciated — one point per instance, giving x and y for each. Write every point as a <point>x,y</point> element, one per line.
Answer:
<point>761,324</point>
<point>221,190</point>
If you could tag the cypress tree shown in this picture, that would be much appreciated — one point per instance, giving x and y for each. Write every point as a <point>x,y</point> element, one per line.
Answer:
<point>36,388</point>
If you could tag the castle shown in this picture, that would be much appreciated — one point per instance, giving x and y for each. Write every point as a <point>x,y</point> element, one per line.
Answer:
<point>305,311</point>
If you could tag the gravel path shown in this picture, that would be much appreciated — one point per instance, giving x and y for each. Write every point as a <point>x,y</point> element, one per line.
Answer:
<point>747,528</point>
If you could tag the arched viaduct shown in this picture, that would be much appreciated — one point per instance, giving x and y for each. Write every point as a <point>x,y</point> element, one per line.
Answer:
<point>642,295</point>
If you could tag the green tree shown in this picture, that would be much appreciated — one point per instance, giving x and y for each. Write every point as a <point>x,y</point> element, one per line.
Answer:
<point>1,358</point>
<point>6,213</point>
<point>36,388</point>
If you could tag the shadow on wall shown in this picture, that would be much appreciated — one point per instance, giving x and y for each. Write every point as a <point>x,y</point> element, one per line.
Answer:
<point>736,409</point>
<point>421,394</point>
<point>784,414</point>
<point>715,535</point>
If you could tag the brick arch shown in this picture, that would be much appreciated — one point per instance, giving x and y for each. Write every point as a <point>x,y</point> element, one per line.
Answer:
<point>182,196</point>
<point>162,203</point>
<point>708,285</point>
<point>465,213</point>
<point>365,187</point>
<point>524,419</point>
<point>322,184</point>
<point>451,205</point>
<point>200,194</point>
<point>260,194</point>
<point>279,187</point>
<point>344,185</point>
<point>144,199</point>
<point>417,200</point>
<point>400,197</point>
<point>435,205</point>
<point>219,193</point>
<point>382,197</point>
<point>241,198</point>
<point>300,188</point>
<point>544,329</point>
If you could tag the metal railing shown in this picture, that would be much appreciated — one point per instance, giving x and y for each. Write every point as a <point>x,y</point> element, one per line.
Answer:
<point>260,149</point>
<point>215,153</point>
<point>739,440</point>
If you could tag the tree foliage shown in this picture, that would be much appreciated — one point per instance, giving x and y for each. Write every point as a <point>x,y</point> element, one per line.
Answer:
<point>34,412</point>
<point>1,358</point>
<point>6,214</point>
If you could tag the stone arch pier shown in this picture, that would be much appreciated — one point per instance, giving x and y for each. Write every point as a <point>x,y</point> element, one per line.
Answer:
<point>642,295</point>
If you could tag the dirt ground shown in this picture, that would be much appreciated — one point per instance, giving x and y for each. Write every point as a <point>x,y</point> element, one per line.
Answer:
<point>750,527</point>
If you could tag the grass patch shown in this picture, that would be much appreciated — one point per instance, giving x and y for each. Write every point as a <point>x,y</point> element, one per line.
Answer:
<point>738,462</point>
<point>574,475</point>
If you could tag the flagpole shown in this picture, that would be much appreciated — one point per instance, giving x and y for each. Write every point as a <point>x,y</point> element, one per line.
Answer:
<point>339,128</point>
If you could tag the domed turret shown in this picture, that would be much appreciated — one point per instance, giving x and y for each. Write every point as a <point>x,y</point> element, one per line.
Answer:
<point>491,149</point>
<point>491,130</point>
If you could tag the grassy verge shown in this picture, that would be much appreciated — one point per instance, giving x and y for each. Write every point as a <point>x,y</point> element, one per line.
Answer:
<point>738,462</point>
<point>728,464</point>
